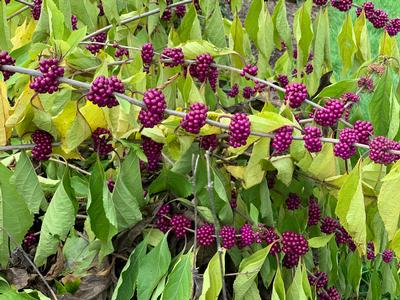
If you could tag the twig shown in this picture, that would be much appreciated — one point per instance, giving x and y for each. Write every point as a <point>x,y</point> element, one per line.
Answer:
<point>23,146</point>
<point>71,166</point>
<point>216,221</point>
<point>19,11</point>
<point>134,18</point>
<point>25,2</point>
<point>195,161</point>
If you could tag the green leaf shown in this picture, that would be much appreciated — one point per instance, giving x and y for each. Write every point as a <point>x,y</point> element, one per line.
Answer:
<point>350,207</point>
<point>304,34</point>
<point>278,288</point>
<point>5,43</point>
<point>111,10</point>
<point>320,241</point>
<point>15,219</point>
<point>152,269</point>
<point>324,164</point>
<point>101,212</point>
<point>126,284</point>
<point>389,210</point>
<point>296,291</point>
<point>58,221</point>
<point>87,11</point>
<point>250,265</point>
<point>237,34</point>
<point>56,20</point>
<point>128,192</point>
<point>192,49</point>
<point>285,167</point>
<point>265,40</point>
<point>362,39</point>
<point>190,26</point>
<point>252,19</point>
<point>354,271</point>
<point>212,282</point>
<point>281,24</point>
<point>267,121</point>
<point>179,184</point>
<point>337,89</point>
<point>214,29</point>
<point>255,172</point>
<point>27,183</point>
<point>380,105</point>
<point>76,134</point>
<point>76,37</point>
<point>179,283</point>
<point>347,44</point>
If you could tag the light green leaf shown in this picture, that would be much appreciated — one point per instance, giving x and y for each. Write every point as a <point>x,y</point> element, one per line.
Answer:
<point>152,269</point>
<point>350,207</point>
<point>76,134</point>
<point>212,283</point>
<point>324,164</point>
<point>267,121</point>
<point>192,49</point>
<point>214,29</point>
<point>86,11</point>
<point>251,265</point>
<point>15,219</point>
<point>278,289</point>
<point>237,41</point>
<point>128,192</point>
<point>111,10</point>
<point>320,241</point>
<point>126,284</point>
<point>303,32</point>
<point>255,172</point>
<point>56,20</point>
<point>337,89</point>
<point>362,38</point>
<point>347,44</point>
<point>58,221</point>
<point>179,283</point>
<point>252,19</point>
<point>296,291</point>
<point>75,37</point>
<point>5,43</point>
<point>190,26</point>
<point>285,167</point>
<point>27,183</point>
<point>388,208</point>
<point>281,23</point>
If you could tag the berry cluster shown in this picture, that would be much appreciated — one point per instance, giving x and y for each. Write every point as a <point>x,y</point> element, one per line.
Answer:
<point>247,236</point>
<point>120,51</point>
<point>234,91</point>
<point>282,139</point>
<point>99,38</point>
<point>318,279</point>
<point>36,9</point>
<point>6,59</point>
<point>102,139</point>
<point>294,245</point>
<point>345,148</point>
<point>312,139</point>
<point>293,201</point>
<point>228,236</point>
<point>314,212</point>
<point>163,222</point>
<point>370,250</point>
<point>110,185</point>
<point>330,113</point>
<point>342,5</point>
<point>195,118</point>
<point>147,54</point>
<point>74,22</point>
<point>42,148</point>
<point>379,150</point>
<point>393,27</point>
<point>329,225</point>
<point>48,82</point>
<point>206,235</point>
<point>173,57</point>
<point>203,71</point>
<point>248,92</point>
<point>239,130</point>
<point>152,150</point>
<point>269,236</point>
<point>209,142</point>
<point>329,294</point>
<point>180,10</point>
<point>387,255</point>
<point>364,131</point>
<point>101,9</point>
<point>283,80</point>
<point>180,224</point>
<point>155,107</point>
<point>29,240</point>
<point>366,84</point>
<point>249,69</point>
<point>295,94</point>
<point>102,89</point>
<point>167,14</point>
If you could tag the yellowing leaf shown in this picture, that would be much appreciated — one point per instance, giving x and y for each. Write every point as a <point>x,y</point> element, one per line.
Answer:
<point>284,165</point>
<point>351,209</point>
<point>236,171</point>
<point>388,204</point>
<point>324,164</point>
<point>76,134</point>
<point>23,34</point>
<point>20,107</point>
<point>5,132</point>
<point>212,282</point>
<point>64,120</point>
<point>94,115</point>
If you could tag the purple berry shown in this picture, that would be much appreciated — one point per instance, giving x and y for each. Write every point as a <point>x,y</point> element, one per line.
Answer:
<point>102,139</point>
<point>248,92</point>
<point>330,113</point>
<point>379,19</point>
<point>329,294</point>
<point>283,80</point>
<point>147,53</point>
<point>367,84</point>
<point>309,68</point>
<point>149,119</point>
<point>348,136</point>
<point>369,9</point>
<point>318,279</point>
<point>290,260</point>
<point>342,5</point>
<point>387,255</point>
<point>293,201</point>
<point>6,59</point>
<point>36,9</point>
<point>320,2</point>
<point>99,38</point>
<point>370,250</point>
<point>29,240</point>
<point>239,130</point>
<point>110,185</point>
<point>344,150</point>
<point>174,57</point>
<point>312,139</point>
<point>314,212</point>
<point>43,147</point>
<point>164,224</point>
<point>282,139</point>
<point>247,236</point>
<point>195,118</point>
<point>164,210</point>
<point>152,150</point>
<point>249,69</point>
<point>269,236</point>
<point>167,15</point>
<point>180,10</point>
<point>295,94</point>
<point>234,91</point>
<point>48,82</point>
<point>393,27</point>
<point>101,9</point>
<point>364,131</point>
<point>209,142</point>
<point>294,243</point>
<point>228,236</point>
<point>203,65</point>
<point>205,235</point>
<point>378,150</point>
<point>74,22</point>
<point>329,225</point>
<point>155,101</point>
<point>102,89</point>
<point>180,224</point>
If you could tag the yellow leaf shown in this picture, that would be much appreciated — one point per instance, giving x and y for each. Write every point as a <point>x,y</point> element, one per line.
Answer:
<point>64,119</point>
<point>76,134</point>
<point>5,132</point>
<point>20,107</point>
<point>23,34</point>
<point>324,164</point>
<point>236,171</point>
<point>94,115</point>
<point>395,243</point>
